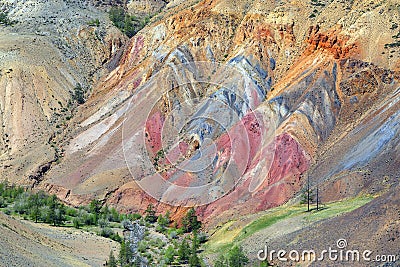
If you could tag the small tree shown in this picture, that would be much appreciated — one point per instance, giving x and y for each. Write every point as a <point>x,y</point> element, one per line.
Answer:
<point>194,260</point>
<point>56,211</point>
<point>307,196</point>
<point>3,202</point>
<point>112,262</point>
<point>150,214</point>
<point>195,241</point>
<point>163,221</point>
<point>95,207</point>
<point>236,257</point>
<point>190,221</point>
<point>45,214</point>
<point>4,19</point>
<point>169,254</point>
<point>184,251</point>
<point>78,94</point>
<point>114,215</point>
<point>60,214</point>
<point>35,211</point>
<point>125,253</point>
<point>76,222</point>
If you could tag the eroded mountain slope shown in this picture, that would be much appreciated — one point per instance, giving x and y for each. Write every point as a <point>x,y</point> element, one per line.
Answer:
<point>231,106</point>
<point>322,79</point>
<point>45,55</point>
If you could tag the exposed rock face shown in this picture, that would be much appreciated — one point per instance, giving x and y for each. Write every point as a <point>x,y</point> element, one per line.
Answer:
<point>321,106</point>
<point>331,41</point>
<point>260,95</point>
<point>134,7</point>
<point>43,57</point>
<point>379,217</point>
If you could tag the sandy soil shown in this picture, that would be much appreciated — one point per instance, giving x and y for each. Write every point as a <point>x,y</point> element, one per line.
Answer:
<point>24,243</point>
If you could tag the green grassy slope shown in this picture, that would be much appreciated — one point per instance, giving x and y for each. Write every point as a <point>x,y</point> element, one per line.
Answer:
<point>233,232</point>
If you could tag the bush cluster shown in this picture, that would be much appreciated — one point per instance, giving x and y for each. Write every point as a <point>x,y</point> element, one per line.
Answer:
<point>42,207</point>
<point>4,19</point>
<point>183,244</point>
<point>128,24</point>
<point>234,257</point>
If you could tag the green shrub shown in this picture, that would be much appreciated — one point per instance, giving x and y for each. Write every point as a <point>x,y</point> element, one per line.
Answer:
<point>184,251</point>
<point>180,231</point>
<point>112,262</point>
<point>234,257</point>
<point>128,24</point>
<point>202,237</point>
<point>117,16</point>
<point>76,222</point>
<point>136,216</point>
<point>116,237</point>
<point>71,212</point>
<point>3,202</point>
<point>125,253</point>
<point>150,214</point>
<point>4,20</point>
<point>78,94</point>
<point>163,221</point>
<point>106,232</point>
<point>115,217</point>
<point>94,22</point>
<point>159,229</point>
<point>103,223</point>
<point>159,243</point>
<point>172,235</point>
<point>143,246</point>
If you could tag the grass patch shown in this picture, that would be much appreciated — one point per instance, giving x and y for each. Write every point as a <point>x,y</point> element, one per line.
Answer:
<point>268,220</point>
<point>225,237</point>
<point>338,208</point>
<point>327,211</point>
<point>222,238</point>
